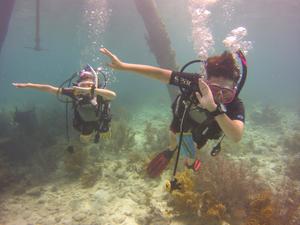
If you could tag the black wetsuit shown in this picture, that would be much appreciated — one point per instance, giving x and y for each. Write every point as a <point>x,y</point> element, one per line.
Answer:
<point>235,111</point>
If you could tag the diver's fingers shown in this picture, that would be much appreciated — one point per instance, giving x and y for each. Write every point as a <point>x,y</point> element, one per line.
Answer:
<point>199,97</point>
<point>114,59</point>
<point>107,52</point>
<point>203,87</point>
<point>19,85</point>
<point>110,65</point>
<point>103,50</point>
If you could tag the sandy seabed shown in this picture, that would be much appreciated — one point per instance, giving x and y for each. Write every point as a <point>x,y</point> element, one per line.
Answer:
<point>123,194</point>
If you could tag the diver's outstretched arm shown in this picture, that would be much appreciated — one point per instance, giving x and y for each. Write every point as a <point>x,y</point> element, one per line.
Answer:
<point>158,73</point>
<point>105,93</point>
<point>39,87</point>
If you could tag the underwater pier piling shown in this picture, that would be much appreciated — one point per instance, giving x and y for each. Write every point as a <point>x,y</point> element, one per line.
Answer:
<point>157,38</point>
<point>6,8</point>
<point>37,39</point>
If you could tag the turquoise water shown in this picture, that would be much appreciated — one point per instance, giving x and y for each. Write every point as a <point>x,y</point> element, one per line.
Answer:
<point>272,27</point>
<point>72,31</point>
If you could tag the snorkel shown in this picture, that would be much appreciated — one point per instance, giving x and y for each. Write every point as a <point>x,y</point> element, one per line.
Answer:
<point>243,75</point>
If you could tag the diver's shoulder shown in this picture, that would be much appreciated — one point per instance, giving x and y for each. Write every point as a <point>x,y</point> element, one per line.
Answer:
<point>237,102</point>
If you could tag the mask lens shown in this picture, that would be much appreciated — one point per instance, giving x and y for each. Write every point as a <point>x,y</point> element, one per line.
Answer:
<point>227,94</point>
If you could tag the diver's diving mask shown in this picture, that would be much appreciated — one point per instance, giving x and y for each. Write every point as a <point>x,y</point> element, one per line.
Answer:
<point>224,95</point>
<point>88,73</point>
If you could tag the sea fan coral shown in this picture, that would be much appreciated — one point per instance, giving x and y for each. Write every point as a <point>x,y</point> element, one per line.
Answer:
<point>186,198</point>
<point>188,201</point>
<point>217,211</point>
<point>231,183</point>
<point>287,202</point>
<point>261,209</point>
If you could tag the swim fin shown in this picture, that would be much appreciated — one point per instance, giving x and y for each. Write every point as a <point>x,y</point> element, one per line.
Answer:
<point>160,162</point>
<point>195,166</point>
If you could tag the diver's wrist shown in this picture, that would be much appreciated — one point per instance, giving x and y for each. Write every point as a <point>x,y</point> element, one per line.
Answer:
<point>81,90</point>
<point>212,108</point>
<point>221,109</point>
<point>124,66</point>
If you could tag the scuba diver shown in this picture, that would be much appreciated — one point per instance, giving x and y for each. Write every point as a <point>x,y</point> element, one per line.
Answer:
<point>91,102</point>
<point>208,106</point>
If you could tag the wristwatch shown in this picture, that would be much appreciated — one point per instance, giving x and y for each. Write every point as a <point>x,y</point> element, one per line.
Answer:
<point>221,109</point>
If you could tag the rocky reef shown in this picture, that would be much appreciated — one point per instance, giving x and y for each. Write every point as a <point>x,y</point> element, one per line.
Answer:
<point>266,115</point>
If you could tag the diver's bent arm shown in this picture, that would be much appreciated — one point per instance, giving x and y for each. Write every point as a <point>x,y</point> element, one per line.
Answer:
<point>106,94</point>
<point>40,87</point>
<point>233,129</point>
<point>160,74</point>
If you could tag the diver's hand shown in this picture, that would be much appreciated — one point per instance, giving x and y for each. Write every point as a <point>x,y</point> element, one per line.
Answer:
<point>81,90</point>
<point>21,85</point>
<point>206,101</point>
<point>116,63</point>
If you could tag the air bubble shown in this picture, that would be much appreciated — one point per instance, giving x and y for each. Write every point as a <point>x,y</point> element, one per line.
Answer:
<point>234,40</point>
<point>201,34</point>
